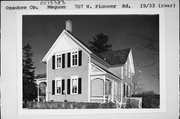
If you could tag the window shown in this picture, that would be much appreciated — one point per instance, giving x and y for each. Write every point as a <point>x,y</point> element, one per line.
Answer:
<point>58,61</point>
<point>58,85</point>
<point>129,72</point>
<point>122,72</point>
<point>74,86</point>
<point>74,56</point>
<point>126,69</point>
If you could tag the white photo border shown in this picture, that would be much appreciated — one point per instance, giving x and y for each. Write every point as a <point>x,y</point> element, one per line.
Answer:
<point>54,112</point>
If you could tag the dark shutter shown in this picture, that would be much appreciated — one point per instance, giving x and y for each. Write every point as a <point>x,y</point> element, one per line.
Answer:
<point>69,59</point>
<point>68,86</point>
<point>63,86</point>
<point>63,60</point>
<point>53,62</point>
<point>80,57</point>
<point>124,90</point>
<point>127,90</point>
<point>79,85</point>
<point>53,87</point>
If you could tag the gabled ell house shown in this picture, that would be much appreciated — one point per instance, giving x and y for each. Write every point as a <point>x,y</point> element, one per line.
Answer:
<point>77,74</point>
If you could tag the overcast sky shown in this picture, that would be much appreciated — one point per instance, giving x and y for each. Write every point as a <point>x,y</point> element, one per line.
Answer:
<point>124,31</point>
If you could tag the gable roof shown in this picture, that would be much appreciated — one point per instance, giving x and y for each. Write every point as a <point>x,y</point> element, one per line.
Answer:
<point>116,57</point>
<point>66,33</point>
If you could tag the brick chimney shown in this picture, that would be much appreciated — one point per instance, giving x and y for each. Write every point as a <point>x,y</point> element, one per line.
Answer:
<point>69,25</point>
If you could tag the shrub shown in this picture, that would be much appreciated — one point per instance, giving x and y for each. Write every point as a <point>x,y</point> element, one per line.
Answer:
<point>133,103</point>
<point>69,105</point>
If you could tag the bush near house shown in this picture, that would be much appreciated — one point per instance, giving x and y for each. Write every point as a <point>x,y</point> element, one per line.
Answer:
<point>149,99</point>
<point>134,102</point>
<point>68,105</point>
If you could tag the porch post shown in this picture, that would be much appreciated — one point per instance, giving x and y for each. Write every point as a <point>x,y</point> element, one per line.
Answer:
<point>122,92</point>
<point>47,93</point>
<point>38,91</point>
<point>112,91</point>
<point>104,89</point>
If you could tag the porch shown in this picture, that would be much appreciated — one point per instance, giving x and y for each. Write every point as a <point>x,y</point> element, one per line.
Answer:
<point>105,89</point>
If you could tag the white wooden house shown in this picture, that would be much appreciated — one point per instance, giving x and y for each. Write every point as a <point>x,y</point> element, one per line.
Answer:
<point>75,73</point>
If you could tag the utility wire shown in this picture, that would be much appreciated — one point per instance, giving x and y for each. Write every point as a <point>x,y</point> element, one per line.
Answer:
<point>57,21</point>
<point>54,23</point>
<point>61,21</point>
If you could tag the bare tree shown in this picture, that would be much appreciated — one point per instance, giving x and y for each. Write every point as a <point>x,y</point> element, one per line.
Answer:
<point>137,88</point>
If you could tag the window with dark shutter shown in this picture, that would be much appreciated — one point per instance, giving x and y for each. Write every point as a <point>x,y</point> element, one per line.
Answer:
<point>53,62</point>
<point>63,86</point>
<point>63,60</point>
<point>80,58</point>
<point>69,59</point>
<point>53,87</point>
<point>68,86</point>
<point>79,85</point>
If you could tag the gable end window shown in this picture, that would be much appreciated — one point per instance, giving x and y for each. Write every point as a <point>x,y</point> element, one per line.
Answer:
<point>58,61</point>
<point>74,57</point>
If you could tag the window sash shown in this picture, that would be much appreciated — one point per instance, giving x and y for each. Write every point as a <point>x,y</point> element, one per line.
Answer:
<point>58,61</point>
<point>74,58</point>
<point>58,86</point>
<point>74,85</point>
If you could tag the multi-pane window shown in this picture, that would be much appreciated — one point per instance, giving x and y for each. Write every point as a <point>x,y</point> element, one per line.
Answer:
<point>74,88</point>
<point>58,61</point>
<point>74,58</point>
<point>58,86</point>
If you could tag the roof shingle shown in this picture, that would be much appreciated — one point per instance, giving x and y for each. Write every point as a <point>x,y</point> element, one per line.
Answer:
<point>116,57</point>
